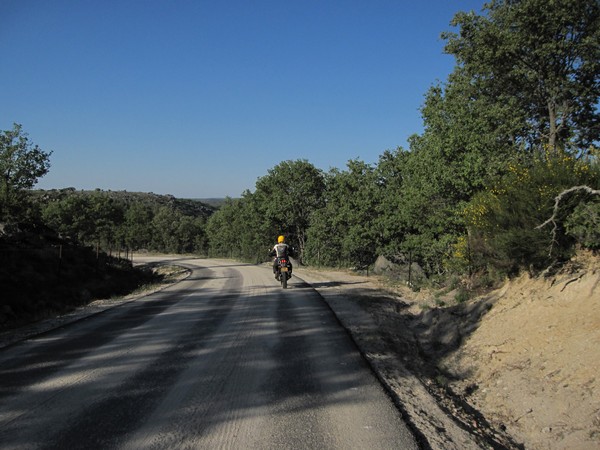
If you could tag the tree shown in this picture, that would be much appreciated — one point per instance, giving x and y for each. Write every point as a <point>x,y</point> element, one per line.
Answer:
<point>252,228</point>
<point>466,143</point>
<point>392,172</point>
<point>107,216</point>
<point>543,58</point>
<point>165,224</point>
<point>508,222</point>
<point>584,223</point>
<point>344,231</point>
<point>428,203</point>
<point>70,216</point>
<point>21,164</point>
<point>190,233</point>
<point>528,74</point>
<point>138,231</point>
<point>221,229</point>
<point>289,194</point>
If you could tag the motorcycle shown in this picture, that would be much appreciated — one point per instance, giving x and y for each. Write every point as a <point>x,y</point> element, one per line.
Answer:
<point>283,271</point>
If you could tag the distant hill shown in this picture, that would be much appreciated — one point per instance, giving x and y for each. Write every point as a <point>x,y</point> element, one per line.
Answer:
<point>189,207</point>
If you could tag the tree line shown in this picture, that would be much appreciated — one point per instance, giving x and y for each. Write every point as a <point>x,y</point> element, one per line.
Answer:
<point>107,220</point>
<point>513,126</point>
<point>123,220</point>
<point>115,222</point>
<point>507,135</point>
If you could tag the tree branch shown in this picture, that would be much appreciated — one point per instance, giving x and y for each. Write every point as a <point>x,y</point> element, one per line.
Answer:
<point>557,201</point>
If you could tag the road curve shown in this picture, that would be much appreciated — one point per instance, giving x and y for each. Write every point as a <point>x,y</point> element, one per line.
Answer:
<point>224,359</point>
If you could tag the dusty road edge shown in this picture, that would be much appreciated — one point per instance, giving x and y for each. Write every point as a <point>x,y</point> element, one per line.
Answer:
<point>433,425</point>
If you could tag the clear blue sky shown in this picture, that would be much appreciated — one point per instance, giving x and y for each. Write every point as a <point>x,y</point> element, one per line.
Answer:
<point>200,98</point>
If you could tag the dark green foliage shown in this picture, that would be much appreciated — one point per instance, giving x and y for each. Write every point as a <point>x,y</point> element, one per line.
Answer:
<point>344,231</point>
<point>541,58</point>
<point>584,224</point>
<point>122,220</point>
<point>42,275</point>
<point>505,220</point>
<point>581,210</point>
<point>283,204</point>
<point>21,164</point>
<point>138,231</point>
<point>222,229</point>
<point>418,211</point>
<point>69,216</point>
<point>287,197</point>
<point>239,229</point>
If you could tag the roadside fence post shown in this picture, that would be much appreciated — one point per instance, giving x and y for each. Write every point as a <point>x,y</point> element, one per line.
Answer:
<point>60,251</point>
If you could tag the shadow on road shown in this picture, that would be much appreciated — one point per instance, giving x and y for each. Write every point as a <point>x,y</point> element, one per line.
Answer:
<point>187,363</point>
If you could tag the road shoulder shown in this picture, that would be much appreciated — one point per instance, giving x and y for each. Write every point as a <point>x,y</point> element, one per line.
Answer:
<point>442,422</point>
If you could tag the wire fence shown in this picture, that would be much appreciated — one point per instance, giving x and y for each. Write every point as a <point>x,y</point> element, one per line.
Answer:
<point>58,254</point>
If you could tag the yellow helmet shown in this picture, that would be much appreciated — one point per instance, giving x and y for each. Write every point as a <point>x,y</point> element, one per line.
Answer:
<point>280,239</point>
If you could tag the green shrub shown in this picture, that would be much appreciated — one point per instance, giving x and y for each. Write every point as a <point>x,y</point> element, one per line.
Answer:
<point>584,224</point>
<point>504,220</point>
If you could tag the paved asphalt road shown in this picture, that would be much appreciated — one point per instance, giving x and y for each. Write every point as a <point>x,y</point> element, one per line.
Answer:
<point>224,359</point>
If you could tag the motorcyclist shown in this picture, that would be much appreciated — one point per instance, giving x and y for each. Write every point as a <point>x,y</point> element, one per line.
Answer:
<point>281,250</point>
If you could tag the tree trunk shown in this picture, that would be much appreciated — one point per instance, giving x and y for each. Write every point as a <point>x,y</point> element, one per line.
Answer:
<point>552,132</point>
<point>301,244</point>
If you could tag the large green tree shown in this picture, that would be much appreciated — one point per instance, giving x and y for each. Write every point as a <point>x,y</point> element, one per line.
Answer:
<point>289,195</point>
<point>526,86</point>
<point>223,229</point>
<point>107,215</point>
<point>138,229</point>
<point>422,193</point>
<point>344,231</point>
<point>21,165</point>
<point>528,74</point>
<point>69,216</point>
<point>542,58</point>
